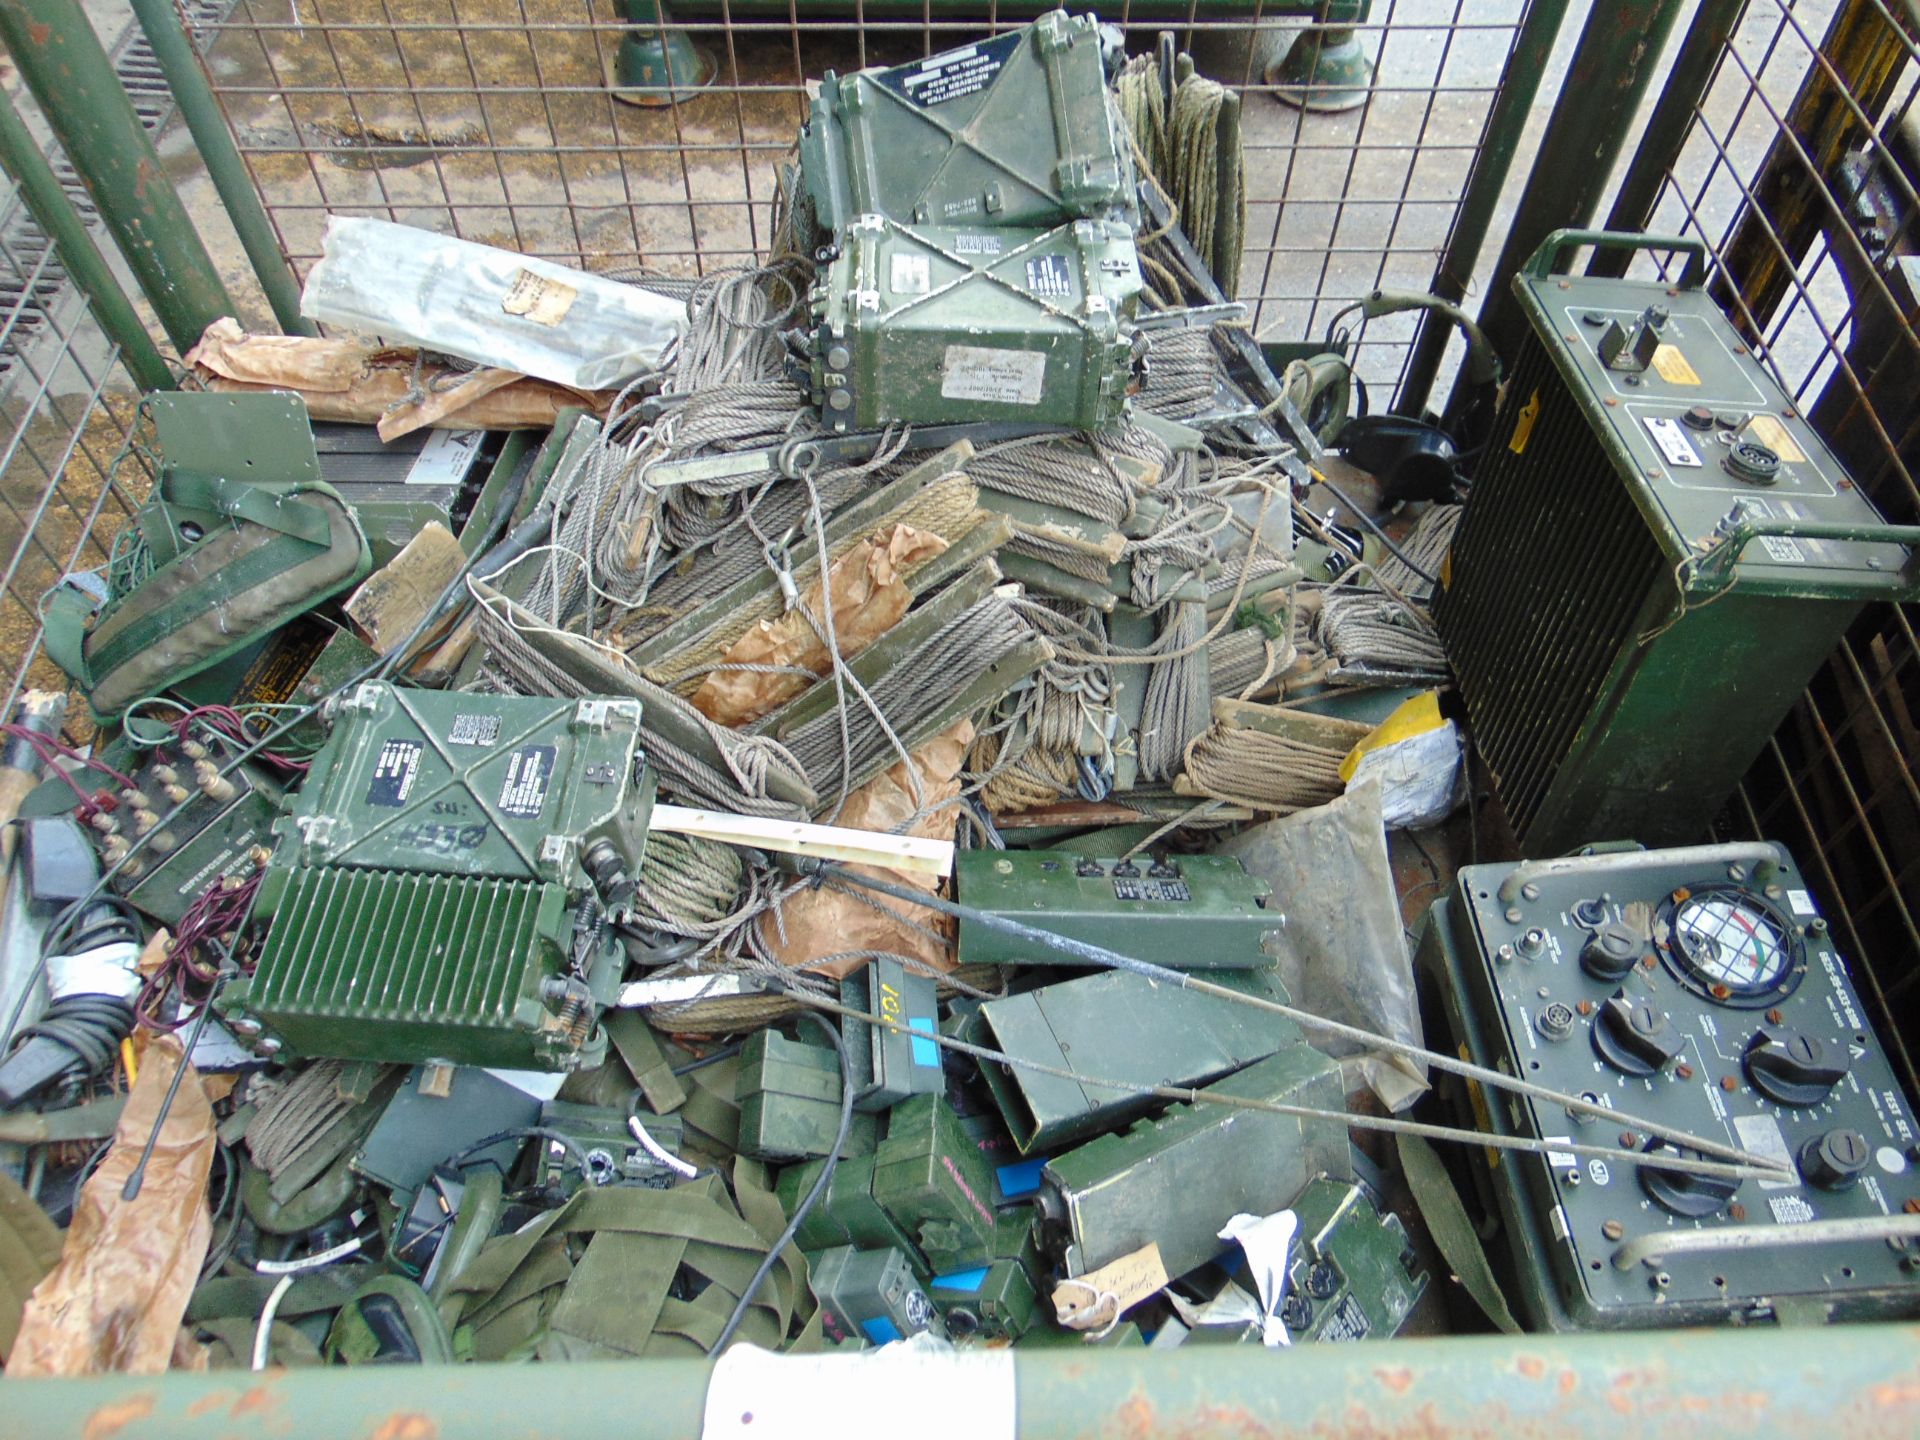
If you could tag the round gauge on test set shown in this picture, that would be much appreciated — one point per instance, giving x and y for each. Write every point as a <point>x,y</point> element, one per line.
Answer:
<point>1730,946</point>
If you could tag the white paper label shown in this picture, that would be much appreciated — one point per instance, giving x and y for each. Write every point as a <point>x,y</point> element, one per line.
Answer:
<point>540,298</point>
<point>1005,377</point>
<point>912,275</point>
<point>1802,902</point>
<point>445,458</point>
<point>754,1395</point>
<point>1761,1135</point>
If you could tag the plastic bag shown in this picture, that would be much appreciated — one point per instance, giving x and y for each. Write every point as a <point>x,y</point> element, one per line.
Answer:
<point>1342,954</point>
<point>1418,759</point>
<point>493,307</point>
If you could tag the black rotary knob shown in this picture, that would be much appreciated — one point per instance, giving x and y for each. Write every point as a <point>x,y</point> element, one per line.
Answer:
<point>1682,1192</point>
<point>1791,1068</point>
<point>1611,952</point>
<point>1634,1037</point>
<point>1834,1159</point>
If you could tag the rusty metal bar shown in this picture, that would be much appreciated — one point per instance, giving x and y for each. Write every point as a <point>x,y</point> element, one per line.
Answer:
<point>60,59</point>
<point>1860,1381</point>
<point>1493,162</point>
<point>1694,66</point>
<point>1613,64</point>
<point>1865,53</point>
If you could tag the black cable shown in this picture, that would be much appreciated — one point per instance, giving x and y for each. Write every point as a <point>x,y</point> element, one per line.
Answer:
<point>138,1175</point>
<point>725,1052</point>
<point>83,940</point>
<point>1374,526</point>
<point>525,1132</point>
<point>808,1201</point>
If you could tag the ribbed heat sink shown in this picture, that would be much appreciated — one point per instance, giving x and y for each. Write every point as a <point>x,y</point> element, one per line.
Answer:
<point>357,962</point>
<point>1550,568</point>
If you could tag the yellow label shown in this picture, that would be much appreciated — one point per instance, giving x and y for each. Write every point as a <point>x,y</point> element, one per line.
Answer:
<point>1523,427</point>
<point>543,301</point>
<point>1776,437</point>
<point>1672,366</point>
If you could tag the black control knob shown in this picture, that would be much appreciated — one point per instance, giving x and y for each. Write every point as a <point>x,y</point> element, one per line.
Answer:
<point>1790,1068</point>
<point>1682,1192</point>
<point>1633,1037</point>
<point>1612,953</point>
<point>1833,1160</point>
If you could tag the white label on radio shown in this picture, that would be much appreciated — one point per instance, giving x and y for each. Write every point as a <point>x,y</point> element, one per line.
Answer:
<point>1782,548</point>
<point>1672,441</point>
<point>1760,1133</point>
<point>1005,377</point>
<point>912,275</point>
<point>1802,902</point>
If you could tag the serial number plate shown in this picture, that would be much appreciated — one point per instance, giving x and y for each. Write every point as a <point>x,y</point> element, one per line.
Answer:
<point>1151,890</point>
<point>1673,442</point>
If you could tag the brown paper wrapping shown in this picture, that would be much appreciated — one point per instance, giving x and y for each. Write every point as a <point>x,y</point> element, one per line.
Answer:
<point>869,597</point>
<point>115,1300</point>
<point>360,382</point>
<point>822,922</point>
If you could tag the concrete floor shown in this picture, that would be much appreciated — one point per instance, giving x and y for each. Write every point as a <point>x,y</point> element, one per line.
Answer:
<point>336,103</point>
<point>491,118</point>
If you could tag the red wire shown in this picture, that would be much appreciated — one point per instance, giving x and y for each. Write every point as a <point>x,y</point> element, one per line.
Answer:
<point>41,744</point>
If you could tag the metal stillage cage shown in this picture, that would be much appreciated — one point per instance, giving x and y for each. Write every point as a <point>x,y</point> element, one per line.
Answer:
<point>1390,144</point>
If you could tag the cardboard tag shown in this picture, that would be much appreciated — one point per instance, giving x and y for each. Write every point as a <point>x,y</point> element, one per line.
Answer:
<point>1097,1299</point>
<point>541,300</point>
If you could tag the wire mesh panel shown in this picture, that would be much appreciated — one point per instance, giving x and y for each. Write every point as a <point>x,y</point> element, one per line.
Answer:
<point>504,121</point>
<point>1799,169</point>
<point>68,476</point>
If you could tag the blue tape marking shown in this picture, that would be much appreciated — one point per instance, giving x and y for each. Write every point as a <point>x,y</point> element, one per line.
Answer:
<point>967,1282</point>
<point>1022,1178</point>
<point>925,1052</point>
<point>880,1330</point>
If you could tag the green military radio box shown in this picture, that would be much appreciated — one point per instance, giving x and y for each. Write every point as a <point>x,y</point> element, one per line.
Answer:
<point>870,1295</point>
<point>1116,1026</point>
<point>421,903</point>
<point>1354,1275</point>
<point>889,1064</point>
<point>1018,129</point>
<point>1658,555</point>
<point>789,1098</point>
<point>934,1183</point>
<point>1187,912</point>
<point>991,1302</point>
<point>934,325</point>
<point>1116,1194</point>
<point>847,1214</point>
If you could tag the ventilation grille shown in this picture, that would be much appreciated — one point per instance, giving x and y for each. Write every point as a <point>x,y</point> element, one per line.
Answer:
<point>1548,572</point>
<point>376,964</point>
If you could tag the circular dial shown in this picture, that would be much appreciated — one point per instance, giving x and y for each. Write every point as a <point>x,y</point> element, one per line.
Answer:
<point>1731,946</point>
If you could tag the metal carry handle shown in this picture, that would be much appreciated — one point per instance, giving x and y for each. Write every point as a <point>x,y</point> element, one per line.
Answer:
<point>1523,881</point>
<point>1546,259</point>
<point>1713,571</point>
<point>1654,1249</point>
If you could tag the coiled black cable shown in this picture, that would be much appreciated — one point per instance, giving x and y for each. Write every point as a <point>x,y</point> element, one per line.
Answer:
<point>80,1034</point>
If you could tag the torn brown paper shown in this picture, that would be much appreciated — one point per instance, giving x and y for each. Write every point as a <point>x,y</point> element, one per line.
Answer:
<point>360,382</point>
<point>869,597</point>
<point>115,1300</point>
<point>814,924</point>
